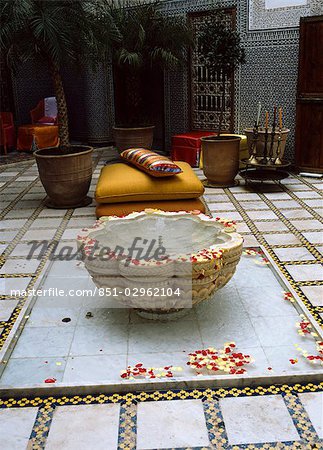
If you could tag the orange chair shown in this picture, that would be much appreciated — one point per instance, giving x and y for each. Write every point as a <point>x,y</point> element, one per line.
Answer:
<point>7,131</point>
<point>45,112</point>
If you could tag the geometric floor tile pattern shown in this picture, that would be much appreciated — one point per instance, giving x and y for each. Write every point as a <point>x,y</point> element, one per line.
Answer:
<point>313,404</point>
<point>267,418</point>
<point>277,216</point>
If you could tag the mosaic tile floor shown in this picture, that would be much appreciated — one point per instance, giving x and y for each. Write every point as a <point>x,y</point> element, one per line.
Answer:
<point>284,219</point>
<point>263,418</point>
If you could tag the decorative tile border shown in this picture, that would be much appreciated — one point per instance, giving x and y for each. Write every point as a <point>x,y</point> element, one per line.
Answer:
<point>214,420</point>
<point>39,434</point>
<point>130,398</point>
<point>262,18</point>
<point>300,418</point>
<point>215,424</point>
<point>127,427</point>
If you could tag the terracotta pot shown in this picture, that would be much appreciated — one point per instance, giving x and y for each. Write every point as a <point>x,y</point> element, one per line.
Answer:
<point>220,159</point>
<point>66,177</point>
<point>261,141</point>
<point>140,137</point>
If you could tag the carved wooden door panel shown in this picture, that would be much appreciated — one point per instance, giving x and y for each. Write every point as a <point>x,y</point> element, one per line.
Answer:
<point>309,104</point>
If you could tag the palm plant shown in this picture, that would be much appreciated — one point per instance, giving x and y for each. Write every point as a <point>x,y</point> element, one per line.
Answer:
<point>150,41</point>
<point>57,32</point>
<point>219,46</point>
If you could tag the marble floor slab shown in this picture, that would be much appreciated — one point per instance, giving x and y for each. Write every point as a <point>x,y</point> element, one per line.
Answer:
<point>171,424</point>
<point>313,404</point>
<point>293,254</point>
<point>16,425</point>
<point>306,272</point>
<point>93,342</point>
<point>84,427</point>
<point>257,420</point>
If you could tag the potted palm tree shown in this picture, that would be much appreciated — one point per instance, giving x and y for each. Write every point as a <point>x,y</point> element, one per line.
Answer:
<point>220,48</point>
<point>150,42</point>
<point>58,32</point>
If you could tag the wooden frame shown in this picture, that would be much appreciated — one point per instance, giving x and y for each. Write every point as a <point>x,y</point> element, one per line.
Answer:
<point>232,13</point>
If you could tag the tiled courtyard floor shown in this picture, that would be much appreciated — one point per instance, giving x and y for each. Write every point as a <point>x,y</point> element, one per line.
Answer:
<point>285,220</point>
<point>289,417</point>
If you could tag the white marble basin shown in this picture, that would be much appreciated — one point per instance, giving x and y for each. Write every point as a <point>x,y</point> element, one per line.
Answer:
<point>160,262</point>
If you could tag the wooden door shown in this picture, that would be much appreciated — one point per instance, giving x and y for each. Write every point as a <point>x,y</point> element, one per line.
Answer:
<point>309,104</point>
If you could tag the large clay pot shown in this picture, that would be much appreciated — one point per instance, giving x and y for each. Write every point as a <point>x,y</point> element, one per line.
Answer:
<point>220,159</point>
<point>66,176</point>
<point>140,137</point>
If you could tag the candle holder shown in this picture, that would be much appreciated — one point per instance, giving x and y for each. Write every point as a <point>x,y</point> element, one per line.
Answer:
<point>278,161</point>
<point>264,159</point>
<point>253,159</point>
<point>256,138</point>
<point>271,158</point>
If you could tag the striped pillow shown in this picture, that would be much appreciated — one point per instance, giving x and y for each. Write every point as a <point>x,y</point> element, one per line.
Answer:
<point>150,162</point>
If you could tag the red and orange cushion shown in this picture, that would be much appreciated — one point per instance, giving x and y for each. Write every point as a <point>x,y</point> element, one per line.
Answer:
<point>151,162</point>
<point>47,120</point>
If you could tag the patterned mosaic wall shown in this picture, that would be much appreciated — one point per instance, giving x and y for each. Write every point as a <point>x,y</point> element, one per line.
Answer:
<point>89,98</point>
<point>263,15</point>
<point>275,83</point>
<point>269,75</point>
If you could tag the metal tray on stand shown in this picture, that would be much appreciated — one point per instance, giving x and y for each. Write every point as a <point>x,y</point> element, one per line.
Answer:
<point>263,172</point>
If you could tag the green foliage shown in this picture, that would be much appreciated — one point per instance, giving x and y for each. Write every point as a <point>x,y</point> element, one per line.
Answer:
<point>151,41</point>
<point>58,32</point>
<point>220,50</point>
<point>219,45</point>
<point>149,38</point>
<point>55,30</point>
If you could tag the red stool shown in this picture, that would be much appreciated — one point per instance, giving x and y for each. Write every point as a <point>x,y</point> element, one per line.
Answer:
<point>187,146</point>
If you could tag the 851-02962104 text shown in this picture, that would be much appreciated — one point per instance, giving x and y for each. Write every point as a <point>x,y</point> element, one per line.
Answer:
<point>140,292</point>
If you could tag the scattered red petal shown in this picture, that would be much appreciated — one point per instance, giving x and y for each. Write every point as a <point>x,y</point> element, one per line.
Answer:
<point>50,380</point>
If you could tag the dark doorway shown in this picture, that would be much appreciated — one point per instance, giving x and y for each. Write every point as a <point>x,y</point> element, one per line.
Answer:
<point>153,103</point>
<point>6,94</point>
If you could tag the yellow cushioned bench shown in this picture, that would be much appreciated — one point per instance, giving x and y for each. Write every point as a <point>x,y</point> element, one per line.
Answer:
<point>122,189</point>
